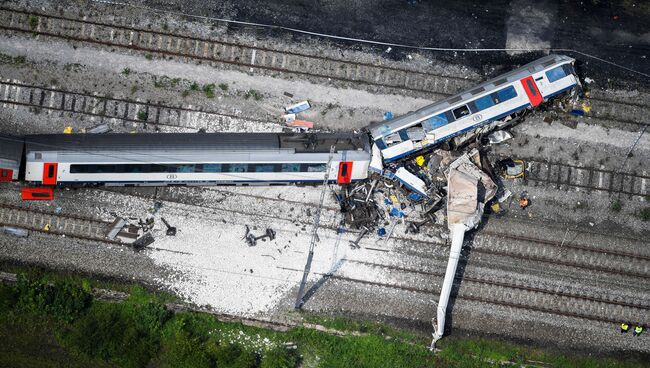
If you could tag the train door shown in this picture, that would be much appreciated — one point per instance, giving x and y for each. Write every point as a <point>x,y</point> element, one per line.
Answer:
<point>532,91</point>
<point>345,172</point>
<point>49,173</point>
<point>6,174</point>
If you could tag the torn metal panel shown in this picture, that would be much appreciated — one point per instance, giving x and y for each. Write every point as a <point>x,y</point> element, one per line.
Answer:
<point>411,181</point>
<point>116,227</point>
<point>376,161</point>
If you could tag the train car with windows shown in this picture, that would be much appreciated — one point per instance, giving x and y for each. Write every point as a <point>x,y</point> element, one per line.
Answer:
<point>194,159</point>
<point>483,105</point>
<point>11,156</point>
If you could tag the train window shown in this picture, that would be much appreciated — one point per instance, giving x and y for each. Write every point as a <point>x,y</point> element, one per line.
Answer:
<point>506,94</point>
<point>50,171</point>
<point>477,90</point>
<point>380,143</point>
<point>263,167</point>
<point>531,87</point>
<point>484,102</point>
<point>449,116</point>
<point>415,133</point>
<point>472,107</point>
<point>185,168</point>
<point>290,167</point>
<point>159,168</point>
<point>461,111</point>
<point>403,135</point>
<point>237,168</point>
<point>555,74</point>
<point>434,122</point>
<point>316,167</point>
<point>212,168</point>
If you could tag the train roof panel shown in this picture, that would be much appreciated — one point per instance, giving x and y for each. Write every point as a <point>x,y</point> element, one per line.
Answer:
<point>491,85</point>
<point>229,142</point>
<point>11,148</point>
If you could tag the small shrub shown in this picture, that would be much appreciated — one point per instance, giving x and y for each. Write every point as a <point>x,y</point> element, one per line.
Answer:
<point>126,71</point>
<point>223,86</point>
<point>253,93</point>
<point>279,358</point>
<point>644,214</point>
<point>148,56</point>
<point>142,115</point>
<point>185,93</point>
<point>33,22</point>
<point>194,86</point>
<point>617,206</point>
<point>62,300</point>
<point>208,89</point>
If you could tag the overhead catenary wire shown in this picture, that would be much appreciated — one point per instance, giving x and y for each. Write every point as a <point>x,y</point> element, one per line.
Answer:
<point>377,43</point>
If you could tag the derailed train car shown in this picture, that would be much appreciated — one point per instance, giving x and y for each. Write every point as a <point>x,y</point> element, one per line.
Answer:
<point>480,107</point>
<point>190,159</point>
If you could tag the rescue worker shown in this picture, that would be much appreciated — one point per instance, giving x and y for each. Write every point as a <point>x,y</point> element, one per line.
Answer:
<point>625,327</point>
<point>637,331</point>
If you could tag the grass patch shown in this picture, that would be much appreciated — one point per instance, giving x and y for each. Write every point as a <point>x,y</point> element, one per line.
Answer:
<point>208,89</point>
<point>143,115</point>
<point>12,60</point>
<point>33,22</point>
<point>644,214</point>
<point>148,56</point>
<point>126,71</point>
<point>194,86</point>
<point>223,86</point>
<point>254,94</point>
<point>617,206</point>
<point>53,321</point>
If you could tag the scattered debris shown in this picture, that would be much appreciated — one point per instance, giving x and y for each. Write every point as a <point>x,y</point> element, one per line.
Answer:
<point>251,239</point>
<point>143,241</point>
<point>299,107</point>
<point>67,130</point>
<point>171,231</point>
<point>301,124</point>
<point>46,227</point>
<point>21,233</point>
<point>288,118</point>
<point>99,129</point>
<point>499,136</point>
<point>116,226</point>
<point>288,94</point>
<point>512,169</point>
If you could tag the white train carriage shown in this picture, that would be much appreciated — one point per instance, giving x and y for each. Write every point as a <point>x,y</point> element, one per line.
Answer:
<point>525,87</point>
<point>194,159</point>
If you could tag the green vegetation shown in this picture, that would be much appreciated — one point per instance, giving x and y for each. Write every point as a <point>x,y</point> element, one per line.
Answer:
<point>644,214</point>
<point>126,71</point>
<point>50,321</point>
<point>208,89</point>
<point>253,93</point>
<point>148,56</point>
<point>194,86</point>
<point>33,22</point>
<point>12,60</point>
<point>143,115</point>
<point>165,82</point>
<point>223,86</point>
<point>617,206</point>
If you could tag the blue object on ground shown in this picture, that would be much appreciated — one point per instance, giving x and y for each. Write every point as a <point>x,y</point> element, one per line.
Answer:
<point>388,115</point>
<point>381,231</point>
<point>414,197</point>
<point>395,212</point>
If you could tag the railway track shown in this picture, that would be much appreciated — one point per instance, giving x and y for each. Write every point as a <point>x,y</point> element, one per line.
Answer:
<point>234,54</point>
<point>72,226</point>
<point>563,176</point>
<point>250,57</point>
<point>111,108</point>
<point>568,254</point>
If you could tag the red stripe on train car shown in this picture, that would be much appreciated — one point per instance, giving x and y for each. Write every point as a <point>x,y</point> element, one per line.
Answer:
<point>49,173</point>
<point>531,90</point>
<point>37,194</point>
<point>6,174</point>
<point>345,172</point>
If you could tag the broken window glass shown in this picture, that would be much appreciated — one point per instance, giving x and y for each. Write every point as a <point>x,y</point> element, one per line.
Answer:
<point>555,74</point>
<point>461,111</point>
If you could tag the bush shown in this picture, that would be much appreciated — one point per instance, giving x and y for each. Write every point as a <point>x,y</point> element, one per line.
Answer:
<point>62,300</point>
<point>209,90</point>
<point>617,206</point>
<point>182,346</point>
<point>644,214</point>
<point>280,358</point>
<point>232,355</point>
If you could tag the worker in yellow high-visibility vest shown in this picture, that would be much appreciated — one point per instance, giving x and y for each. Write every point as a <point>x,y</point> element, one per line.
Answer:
<point>624,327</point>
<point>637,330</point>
